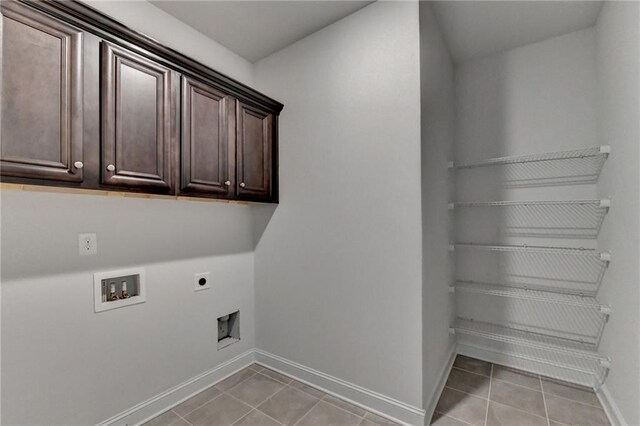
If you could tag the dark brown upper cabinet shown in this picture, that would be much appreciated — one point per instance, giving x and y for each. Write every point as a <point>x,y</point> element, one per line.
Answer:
<point>256,162</point>
<point>207,152</point>
<point>41,97</point>
<point>136,121</point>
<point>88,102</point>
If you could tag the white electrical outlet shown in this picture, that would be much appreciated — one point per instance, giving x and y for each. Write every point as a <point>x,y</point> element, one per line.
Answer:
<point>87,244</point>
<point>201,281</point>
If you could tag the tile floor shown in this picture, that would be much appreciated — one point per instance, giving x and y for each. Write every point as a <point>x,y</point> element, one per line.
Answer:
<point>257,396</point>
<point>480,393</point>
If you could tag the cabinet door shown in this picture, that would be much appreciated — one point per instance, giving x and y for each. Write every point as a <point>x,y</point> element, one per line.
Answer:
<point>207,164</point>
<point>255,135</point>
<point>41,96</point>
<point>136,121</point>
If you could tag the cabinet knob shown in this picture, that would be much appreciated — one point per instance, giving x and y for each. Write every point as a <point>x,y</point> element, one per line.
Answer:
<point>78,165</point>
<point>227,182</point>
<point>242,185</point>
<point>111,167</point>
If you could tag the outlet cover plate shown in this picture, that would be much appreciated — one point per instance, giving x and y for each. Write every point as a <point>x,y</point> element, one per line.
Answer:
<point>197,286</point>
<point>87,244</point>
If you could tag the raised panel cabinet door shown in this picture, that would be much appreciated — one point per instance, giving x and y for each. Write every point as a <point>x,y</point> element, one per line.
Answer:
<point>136,121</point>
<point>207,165</point>
<point>41,96</point>
<point>255,135</point>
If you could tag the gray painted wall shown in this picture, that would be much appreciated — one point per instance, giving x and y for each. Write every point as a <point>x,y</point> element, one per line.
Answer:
<point>64,364</point>
<point>338,268</point>
<point>618,66</point>
<point>437,120</point>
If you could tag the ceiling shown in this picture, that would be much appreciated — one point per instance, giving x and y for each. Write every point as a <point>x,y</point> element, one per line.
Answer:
<point>256,29</point>
<point>474,29</point>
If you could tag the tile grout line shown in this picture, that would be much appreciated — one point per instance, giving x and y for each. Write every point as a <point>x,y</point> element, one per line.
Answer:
<point>495,402</point>
<point>487,399</point>
<point>486,413</point>
<point>305,414</point>
<point>215,397</point>
<point>471,372</point>
<point>208,401</point>
<point>239,383</point>
<point>272,418</point>
<point>455,418</point>
<point>319,399</point>
<point>185,420</point>
<point>273,378</point>
<point>255,409</point>
<point>199,406</point>
<point>273,394</point>
<point>577,402</point>
<point>242,417</point>
<point>466,393</point>
<point>544,401</point>
<point>322,399</point>
<point>267,399</point>
<point>344,409</point>
<point>247,404</point>
<point>518,409</point>
<point>520,386</point>
<point>285,385</point>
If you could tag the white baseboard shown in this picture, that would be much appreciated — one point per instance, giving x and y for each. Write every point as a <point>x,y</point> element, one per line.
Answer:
<point>442,380</point>
<point>170,398</point>
<point>610,407</point>
<point>382,405</point>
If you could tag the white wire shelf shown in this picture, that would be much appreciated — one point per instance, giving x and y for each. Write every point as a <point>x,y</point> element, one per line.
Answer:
<point>604,203</point>
<point>526,338</point>
<point>567,317</point>
<point>586,302</point>
<point>577,271</point>
<point>562,219</point>
<point>570,251</point>
<point>550,356</point>
<point>553,168</point>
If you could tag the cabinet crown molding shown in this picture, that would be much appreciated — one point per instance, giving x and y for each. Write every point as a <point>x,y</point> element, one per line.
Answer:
<point>105,27</point>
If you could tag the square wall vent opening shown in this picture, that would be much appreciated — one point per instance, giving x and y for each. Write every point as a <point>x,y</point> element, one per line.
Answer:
<point>228,329</point>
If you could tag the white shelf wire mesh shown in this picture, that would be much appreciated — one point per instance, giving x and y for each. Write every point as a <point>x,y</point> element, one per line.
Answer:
<point>556,168</point>
<point>547,355</point>
<point>559,219</point>
<point>569,317</point>
<point>534,295</point>
<point>569,251</point>
<point>577,271</point>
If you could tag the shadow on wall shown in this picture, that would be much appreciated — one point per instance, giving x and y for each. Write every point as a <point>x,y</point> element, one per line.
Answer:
<point>40,231</point>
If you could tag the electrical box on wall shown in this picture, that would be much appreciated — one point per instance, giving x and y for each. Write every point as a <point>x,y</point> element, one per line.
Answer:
<point>118,288</point>
<point>228,329</point>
